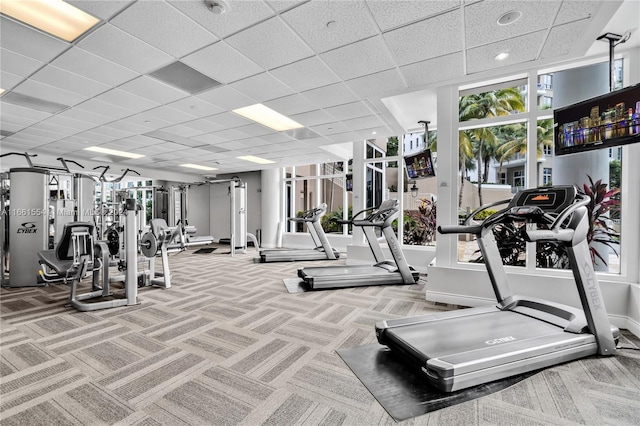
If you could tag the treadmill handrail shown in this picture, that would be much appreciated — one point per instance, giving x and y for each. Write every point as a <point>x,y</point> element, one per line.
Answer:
<point>311,215</point>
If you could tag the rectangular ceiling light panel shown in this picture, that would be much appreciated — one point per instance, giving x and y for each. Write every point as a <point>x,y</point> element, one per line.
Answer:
<point>30,102</point>
<point>255,159</point>
<point>113,152</point>
<point>267,117</point>
<point>198,167</point>
<point>185,78</point>
<point>54,17</point>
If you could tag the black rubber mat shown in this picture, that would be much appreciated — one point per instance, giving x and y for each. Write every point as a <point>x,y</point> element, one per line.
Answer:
<point>401,388</point>
<point>205,250</point>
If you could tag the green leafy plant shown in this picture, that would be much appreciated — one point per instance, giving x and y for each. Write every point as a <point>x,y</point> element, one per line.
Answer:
<point>328,221</point>
<point>602,202</point>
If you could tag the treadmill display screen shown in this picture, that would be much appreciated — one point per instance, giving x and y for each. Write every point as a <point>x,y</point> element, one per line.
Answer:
<point>551,200</point>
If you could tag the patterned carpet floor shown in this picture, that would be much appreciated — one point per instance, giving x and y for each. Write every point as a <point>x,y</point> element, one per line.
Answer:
<point>227,344</point>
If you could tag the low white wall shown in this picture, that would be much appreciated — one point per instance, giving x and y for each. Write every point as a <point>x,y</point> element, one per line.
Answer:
<point>419,257</point>
<point>468,287</point>
<point>303,240</point>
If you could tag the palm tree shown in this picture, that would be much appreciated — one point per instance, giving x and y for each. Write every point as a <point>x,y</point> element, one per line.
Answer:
<point>514,137</point>
<point>496,103</point>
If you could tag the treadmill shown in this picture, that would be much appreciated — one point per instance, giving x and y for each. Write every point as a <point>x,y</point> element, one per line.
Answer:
<point>323,249</point>
<point>384,271</point>
<point>468,347</point>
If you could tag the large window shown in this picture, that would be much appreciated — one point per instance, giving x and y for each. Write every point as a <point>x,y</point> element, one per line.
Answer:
<point>306,187</point>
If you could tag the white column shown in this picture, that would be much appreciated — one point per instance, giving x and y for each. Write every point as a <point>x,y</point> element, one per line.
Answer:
<point>447,175</point>
<point>271,196</point>
<point>359,186</point>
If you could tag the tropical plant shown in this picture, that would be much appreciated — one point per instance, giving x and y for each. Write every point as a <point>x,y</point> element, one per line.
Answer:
<point>420,225</point>
<point>328,221</point>
<point>602,202</point>
<point>514,139</point>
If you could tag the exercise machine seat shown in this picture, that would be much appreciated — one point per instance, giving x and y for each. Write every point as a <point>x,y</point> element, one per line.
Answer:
<point>61,258</point>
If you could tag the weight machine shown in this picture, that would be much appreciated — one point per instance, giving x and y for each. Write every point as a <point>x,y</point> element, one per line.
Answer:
<point>238,234</point>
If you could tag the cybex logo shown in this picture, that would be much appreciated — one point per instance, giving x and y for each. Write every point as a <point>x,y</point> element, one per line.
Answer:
<point>500,340</point>
<point>27,228</point>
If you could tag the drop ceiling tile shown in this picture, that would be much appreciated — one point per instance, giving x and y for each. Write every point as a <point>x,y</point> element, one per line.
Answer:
<point>350,110</point>
<point>330,128</point>
<point>233,145</point>
<point>276,138</point>
<point>226,98</point>
<point>270,44</point>
<point>377,85</point>
<point>427,39</point>
<point>69,123</point>
<point>68,81</point>
<point>576,10</point>
<point>21,143</point>
<point>262,87</point>
<point>17,64</point>
<point>93,136</point>
<point>154,90</point>
<point>281,5</point>
<point>239,15</point>
<point>163,26</point>
<point>195,106</point>
<point>168,114</point>
<point>28,42</point>
<point>102,108</point>
<point>562,38</point>
<point>336,94</point>
<point>126,100</point>
<point>313,118</point>
<point>181,130</point>
<point>361,123</point>
<point>8,81</point>
<point>27,115</point>
<point>86,116</point>
<point>395,13</point>
<point>101,9</point>
<point>433,70</point>
<point>327,25</point>
<point>62,131</point>
<point>202,125</point>
<point>210,139</point>
<point>481,20</point>
<point>306,74</point>
<point>521,49</point>
<point>222,63</point>
<point>126,126</point>
<point>362,58</point>
<point>229,120</point>
<point>290,105</point>
<point>143,119</point>
<point>81,62</point>
<point>49,93</point>
<point>344,137</point>
<point>38,136</point>
<point>230,134</point>
<point>107,42</point>
<point>254,130</point>
<point>377,132</point>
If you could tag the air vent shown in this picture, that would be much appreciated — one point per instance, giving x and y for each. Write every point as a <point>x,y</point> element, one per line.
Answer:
<point>213,148</point>
<point>185,78</point>
<point>301,134</point>
<point>33,103</point>
<point>170,137</point>
<point>5,133</point>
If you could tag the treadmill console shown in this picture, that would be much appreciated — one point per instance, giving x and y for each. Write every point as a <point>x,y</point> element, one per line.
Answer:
<point>536,201</point>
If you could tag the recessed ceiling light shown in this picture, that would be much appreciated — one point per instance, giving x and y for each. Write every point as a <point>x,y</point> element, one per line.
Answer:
<point>255,159</point>
<point>113,152</point>
<point>264,115</point>
<point>55,17</point>
<point>197,166</point>
<point>509,17</point>
<point>374,133</point>
<point>501,56</point>
<point>1,90</point>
